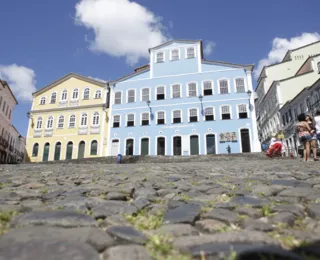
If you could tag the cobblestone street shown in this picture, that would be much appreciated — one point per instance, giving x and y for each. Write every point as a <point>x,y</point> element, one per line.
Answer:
<point>225,209</point>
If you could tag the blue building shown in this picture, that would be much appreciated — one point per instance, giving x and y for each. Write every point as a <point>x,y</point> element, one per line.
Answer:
<point>182,104</point>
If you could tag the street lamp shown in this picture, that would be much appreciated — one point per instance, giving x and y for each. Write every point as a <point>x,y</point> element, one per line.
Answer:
<point>200,98</point>
<point>249,92</point>
<point>148,103</point>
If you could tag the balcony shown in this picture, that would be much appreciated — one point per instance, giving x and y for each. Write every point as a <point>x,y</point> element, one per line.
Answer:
<point>48,132</point>
<point>74,103</point>
<point>83,130</point>
<point>37,133</point>
<point>63,103</point>
<point>95,129</point>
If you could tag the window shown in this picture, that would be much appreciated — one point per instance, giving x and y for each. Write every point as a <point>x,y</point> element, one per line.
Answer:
<point>86,94</point>
<point>176,91</point>
<point>295,113</point>
<point>10,114</point>
<point>145,93</point>
<point>223,84</point>
<point>4,106</point>
<point>301,108</point>
<point>160,93</point>
<point>209,114</point>
<point>161,118</point>
<point>75,93</point>
<point>240,86</point>
<point>72,121</point>
<point>145,119</point>
<point>84,119</point>
<point>97,94</point>
<point>95,119</point>
<point>283,120</point>
<point>308,104</point>
<point>207,88</point>
<point>175,55</point>
<point>39,123</point>
<point>130,120</point>
<point>176,116</point>
<point>0,101</point>
<point>60,121</point>
<point>225,113</point>
<point>190,53</point>
<point>43,101</point>
<point>192,89</point>
<point>35,150</point>
<point>116,121</point>
<point>242,111</point>
<point>131,96</point>
<point>50,122</point>
<point>160,57</point>
<point>7,110</point>
<point>64,95</point>
<point>94,148</point>
<point>117,97</point>
<point>290,115</point>
<point>287,117</point>
<point>318,65</point>
<point>193,115</point>
<point>53,98</point>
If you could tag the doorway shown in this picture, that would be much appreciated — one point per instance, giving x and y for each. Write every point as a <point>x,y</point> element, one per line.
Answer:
<point>161,146</point>
<point>245,140</point>
<point>69,151</point>
<point>194,145</point>
<point>211,144</point>
<point>46,150</point>
<point>57,151</point>
<point>177,149</point>
<point>145,146</point>
<point>129,147</point>
<point>82,146</point>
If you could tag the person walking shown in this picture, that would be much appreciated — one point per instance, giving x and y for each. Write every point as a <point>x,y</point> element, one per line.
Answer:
<point>284,147</point>
<point>313,142</point>
<point>304,132</point>
<point>317,123</point>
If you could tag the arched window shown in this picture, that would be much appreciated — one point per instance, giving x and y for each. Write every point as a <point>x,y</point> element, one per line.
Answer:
<point>64,95</point>
<point>39,123</point>
<point>43,101</point>
<point>95,119</point>
<point>75,93</point>
<point>69,151</point>
<point>86,93</point>
<point>72,121</point>
<point>84,119</point>
<point>60,121</point>
<point>98,94</point>
<point>35,150</point>
<point>53,98</point>
<point>94,148</point>
<point>50,122</point>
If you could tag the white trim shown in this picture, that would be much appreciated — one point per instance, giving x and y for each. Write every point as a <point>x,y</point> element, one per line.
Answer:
<point>63,121</point>
<point>165,144</point>
<point>43,97</point>
<point>46,126</point>
<point>220,109</point>
<point>113,97</point>
<point>235,85</point>
<point>125,145</point>
<point>165,92</point>
<point>119,148</point>
<point>81,119</point>
<point>240,140</point>
<point>84,91</point>
<point>197,90</point>
<point>77,95</point>
<point>103,118</point>
<point>204,114</point>
<point>237,111</point>
<point>113,121</point>
<point>134,119</point>
<point>107,149</point>
<point>198,116</point>
<point>202,86</point>
<point>199,143</point>
<point>179,53</point>
<point>199,58</point>
<point>41,123</point>
<point>165,117</point>
<point>172,143</point>
<point>127,95</point>
<point>181,116</point>
<point>186,51</point>
<point>62,95</point>
<point>149,144</point>
<point>75,121</point>
<point>187,103</point>
<point>145,112</point>
<point>221,79</point>
<point>171,91</point>
<point>164,56</point>
<point>149,94</point>
<point>205,142</point>
<point>151,65</point>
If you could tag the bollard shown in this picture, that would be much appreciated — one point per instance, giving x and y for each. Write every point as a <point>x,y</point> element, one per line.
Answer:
<point>119,158</point>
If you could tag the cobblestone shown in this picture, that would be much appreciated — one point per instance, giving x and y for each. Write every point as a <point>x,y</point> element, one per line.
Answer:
<point>188,210</point>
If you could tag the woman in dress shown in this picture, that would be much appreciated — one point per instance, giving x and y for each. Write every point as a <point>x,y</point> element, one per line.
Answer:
<point>313,142</point>
<point>304,132</point>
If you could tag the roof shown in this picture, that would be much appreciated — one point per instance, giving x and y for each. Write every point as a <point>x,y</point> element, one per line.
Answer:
<point>310,57</point>
<point>172,41</point>
<point>68,76</point>
<point>5,84</point>
<point>246,66</point>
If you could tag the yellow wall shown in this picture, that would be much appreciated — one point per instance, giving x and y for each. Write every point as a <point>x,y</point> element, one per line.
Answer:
<point>67,134</point>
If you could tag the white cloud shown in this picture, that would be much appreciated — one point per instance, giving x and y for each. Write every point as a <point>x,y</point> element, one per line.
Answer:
<point>208,47</point>
<point>280,46</point>
<point>121,28</point>
<point>20,79</point>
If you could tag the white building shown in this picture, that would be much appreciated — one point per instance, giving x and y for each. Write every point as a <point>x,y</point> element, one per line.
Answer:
<point>279,83</point>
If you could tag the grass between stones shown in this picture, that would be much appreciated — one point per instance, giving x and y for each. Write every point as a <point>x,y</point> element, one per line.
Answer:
<point>144,221</point>
<point>5,218</point>
<point>266,210</point>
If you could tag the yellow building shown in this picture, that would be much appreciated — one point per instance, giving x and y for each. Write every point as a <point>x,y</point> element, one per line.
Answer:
<point>68,120</point>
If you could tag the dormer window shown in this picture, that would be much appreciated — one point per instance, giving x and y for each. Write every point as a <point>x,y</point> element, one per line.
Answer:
<point>160,57</point>
<point>190,53</point>
<point>42,101</point>
<point>175,54</point>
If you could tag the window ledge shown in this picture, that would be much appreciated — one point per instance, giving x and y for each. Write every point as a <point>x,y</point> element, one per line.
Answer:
<point>145,125</point>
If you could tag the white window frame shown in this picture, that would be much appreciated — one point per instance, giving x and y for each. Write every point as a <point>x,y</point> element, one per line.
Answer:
<point>119,120</point>
<point>72,98</point>
<point>38,120</point>
<point>50,117</point>
<point>181,115</point>
<point>214,113</point>
<point>165,118</point>
<point>114,97</point>
<point>60,127</point>
<point>197,92</point>
<point>135,95</point>
<point>95,94</point>
<point>235,84</point>
<point>84,91</point>
<point>165,92</point>
<point>198,116</point>
<point>94,115</point>
<point>164,57</point>
<point>141,96</point>
<point>247,107</point>
<point>51,98</point>
<point>148,118</point>
<point>45,101</point>
<point>220,109</point>
<point>75,119</point>
<point>82,114</point>
<point>66,98</point>
<point>186,52</point>
<point>202,86</point>
<point>171,90</point>
<point>134,119</point>
<point>228,81</point>
<point>175,49</point>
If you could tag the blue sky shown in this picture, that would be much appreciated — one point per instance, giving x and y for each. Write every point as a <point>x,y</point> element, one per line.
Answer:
<point>44,40</point>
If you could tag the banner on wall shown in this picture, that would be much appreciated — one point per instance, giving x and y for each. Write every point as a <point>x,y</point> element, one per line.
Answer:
<point>228,137</point>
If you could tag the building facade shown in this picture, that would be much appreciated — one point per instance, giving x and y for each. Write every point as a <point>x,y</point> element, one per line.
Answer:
<point>279,83</point>
<point>182,104</point>
<point>68,120</point>
<point>12,144</point>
